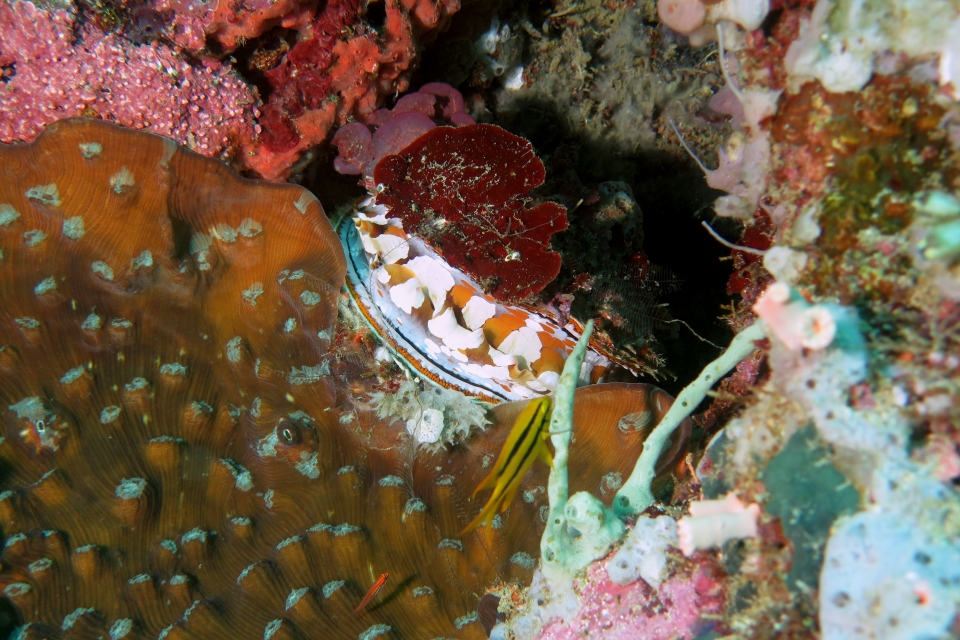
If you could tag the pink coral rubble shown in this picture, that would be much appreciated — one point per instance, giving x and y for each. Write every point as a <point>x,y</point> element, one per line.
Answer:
<point>683,607</point>
<point>61,68</point>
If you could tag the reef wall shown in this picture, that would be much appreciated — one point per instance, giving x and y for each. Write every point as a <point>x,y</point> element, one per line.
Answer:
<point>227,415</point>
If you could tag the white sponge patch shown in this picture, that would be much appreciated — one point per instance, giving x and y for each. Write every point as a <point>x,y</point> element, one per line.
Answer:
<point>643,554</point>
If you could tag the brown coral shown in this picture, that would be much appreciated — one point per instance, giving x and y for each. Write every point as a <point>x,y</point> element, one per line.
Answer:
<point>177,459</point>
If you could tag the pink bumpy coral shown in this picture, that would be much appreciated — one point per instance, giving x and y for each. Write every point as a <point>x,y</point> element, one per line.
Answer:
<point>414,114</point>
<point>61,68</point>
<point>686,605</point>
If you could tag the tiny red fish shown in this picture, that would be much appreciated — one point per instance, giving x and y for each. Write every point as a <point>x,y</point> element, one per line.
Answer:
<point>372,592</point>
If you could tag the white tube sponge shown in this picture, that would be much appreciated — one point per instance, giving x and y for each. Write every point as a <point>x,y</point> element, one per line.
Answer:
<point>794,321</point>
<point>713,522</point>
<point>749,14</point>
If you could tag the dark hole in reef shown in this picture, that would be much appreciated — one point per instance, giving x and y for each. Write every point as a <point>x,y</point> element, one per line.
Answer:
<point>109,15</point>
<point>146,25</point>
<point>9,619</point>
<point>918,437</point>
<point>6,469</point>
<point>488,613</point>
<point>770,22</point>
<point>745,596</point>
<point>213,46</point>
<point>674,198</point>
<point>261,54</point>
<point>331,188</point>
<point>376,14</point>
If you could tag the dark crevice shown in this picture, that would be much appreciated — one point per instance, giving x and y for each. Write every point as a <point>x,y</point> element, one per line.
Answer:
<point>376,14</point>
<point>259,55</point>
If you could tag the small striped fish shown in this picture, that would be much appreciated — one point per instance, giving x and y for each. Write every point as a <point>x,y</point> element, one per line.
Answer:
<point>527,441</point>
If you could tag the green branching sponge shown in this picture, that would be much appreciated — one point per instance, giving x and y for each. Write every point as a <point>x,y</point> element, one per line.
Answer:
<point>635,495</point>
<point>580,529</point>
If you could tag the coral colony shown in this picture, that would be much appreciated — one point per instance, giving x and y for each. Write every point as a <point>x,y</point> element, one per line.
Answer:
<point>431,414</point>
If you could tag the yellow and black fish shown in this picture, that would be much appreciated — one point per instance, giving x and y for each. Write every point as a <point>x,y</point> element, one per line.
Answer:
<point>527,441</point>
